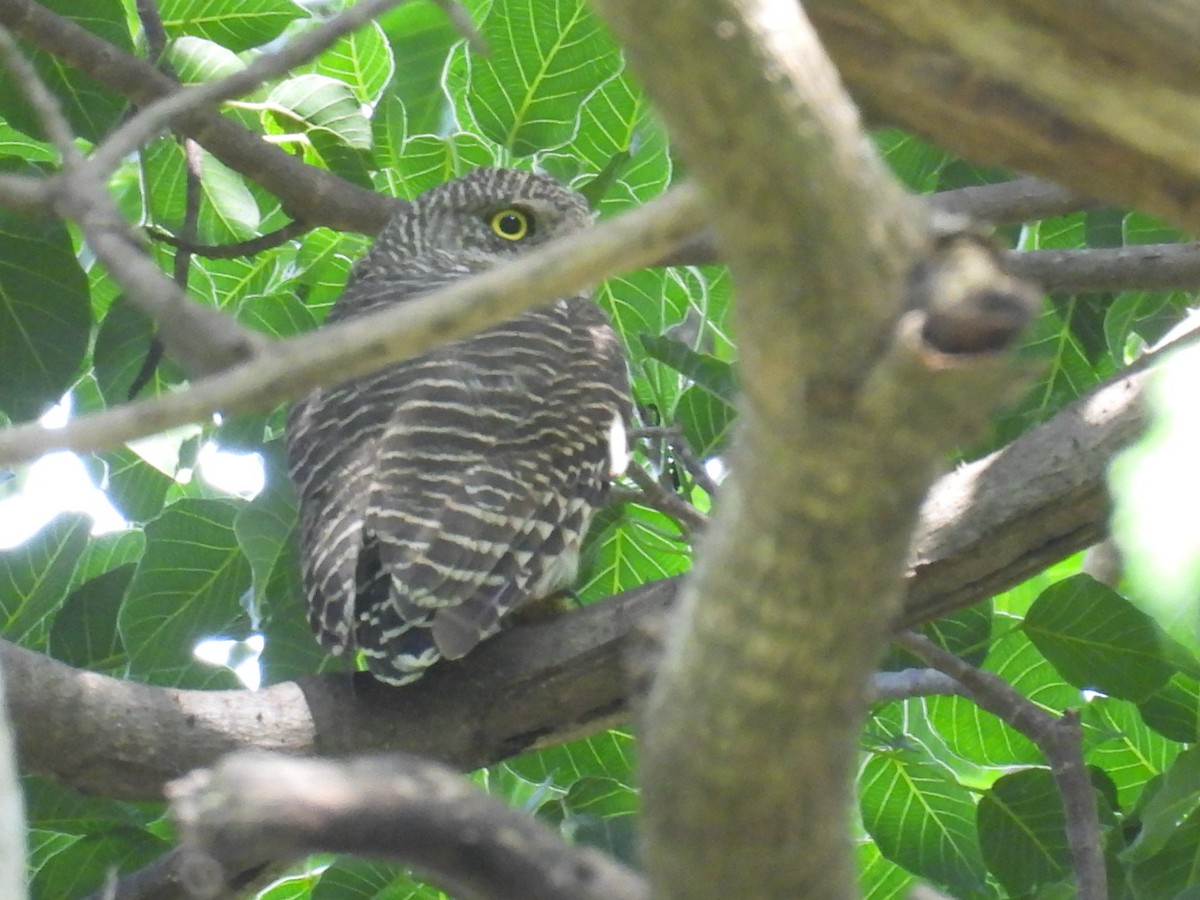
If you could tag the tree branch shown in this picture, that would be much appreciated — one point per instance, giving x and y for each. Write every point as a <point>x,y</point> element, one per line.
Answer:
<point>667,502</point>
<point>888,686</point>
<point>27,195</point>
<point>307,193</point>
<point>1039,93</point>
<point>257,805</point>
<point>1145,267</point>
<point>535,685</point>
<point>1060,738</point>
<point>292,368</point>
<point>996,521</point>
<point>1010,202</point>
<point>984,528</point>
<point>267,241</point>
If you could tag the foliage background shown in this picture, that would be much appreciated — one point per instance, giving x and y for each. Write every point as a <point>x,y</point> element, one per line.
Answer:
<point>948,793</point>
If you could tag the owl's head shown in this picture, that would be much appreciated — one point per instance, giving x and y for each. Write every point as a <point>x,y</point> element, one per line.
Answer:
<point>489,213</point>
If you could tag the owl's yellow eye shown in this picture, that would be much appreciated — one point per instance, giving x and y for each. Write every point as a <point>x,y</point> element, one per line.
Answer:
<point>512,224</point>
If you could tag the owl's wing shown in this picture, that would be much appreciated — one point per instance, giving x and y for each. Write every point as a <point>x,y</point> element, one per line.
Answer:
<point>332,438</point>
<point>486,475</point>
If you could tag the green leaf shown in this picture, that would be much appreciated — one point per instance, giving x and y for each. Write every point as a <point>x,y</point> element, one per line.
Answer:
<point>106,552</point>
<point>196,60</point>
<point>362,60</point>
<point>914,161</point>
<point>323,263</point>
<point>85,864</point>
<point>421,35</point>
<point>1176,800</point>
<point>1097,639</point>
<point>1136,319</point>
<point>326,111</point>
<point>135,487</point>
<point>75,838</point>
<point>616,126</point>
<point>188,586</point>
<point>1022,830</point>
<point>965,632</point>
<point>705,419</point>
<point>91,110</point>
<point>228,210</point>
<point>977,735</point>
<point>310,102</point>
<point>608,755</point>
<point>122,345</point>
<point>235,281</point>
<point>1171,871</point>
<point>714,375</point>
<point>85,634</point>
<point>1119,743</point>
<point>279,316</point>
<point>20,145</point>
<point>922,819</point>
<point>291,887</point>
<point>52,805</point>
<point>1174,709</point>
<point>420,163</point>
<point>539,780</point>
<point>648,302</point>
<point>357,879</point>
<point>599,812</point>
<point>264,526</point>
<point>266,532</point>
<point>628,546</point>
<point>545,59</point>
<point>45,314</point>
<point>879,878</point>
<point>239,26</point>
<point>34,578</point>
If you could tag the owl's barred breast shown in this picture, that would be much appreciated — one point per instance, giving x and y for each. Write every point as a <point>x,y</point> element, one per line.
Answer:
<point>439,494</point>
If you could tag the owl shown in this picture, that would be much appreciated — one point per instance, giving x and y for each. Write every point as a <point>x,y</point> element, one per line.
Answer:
<point>442,493</point>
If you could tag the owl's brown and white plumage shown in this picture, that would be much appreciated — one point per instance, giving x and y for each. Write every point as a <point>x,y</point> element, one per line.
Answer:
<point>440,494</point>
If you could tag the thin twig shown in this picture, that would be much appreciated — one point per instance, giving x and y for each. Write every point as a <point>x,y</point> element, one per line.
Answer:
<point>460,18</point>
<point>695,466</point>
<point>653,432</point>
<point>268,241</point>
<point>417,812</point>
<point>183,257</point>
<point>1060,740</point>
<point>909,683</point>
<point>666,502</point>
<point>1020,200</point>
<point>152,27</point>
<point>672,437</point>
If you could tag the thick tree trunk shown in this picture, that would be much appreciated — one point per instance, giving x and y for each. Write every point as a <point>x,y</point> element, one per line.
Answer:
<point>751,730</point>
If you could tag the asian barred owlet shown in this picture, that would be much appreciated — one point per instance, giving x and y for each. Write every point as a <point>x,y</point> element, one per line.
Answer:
<point>441,493</point>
